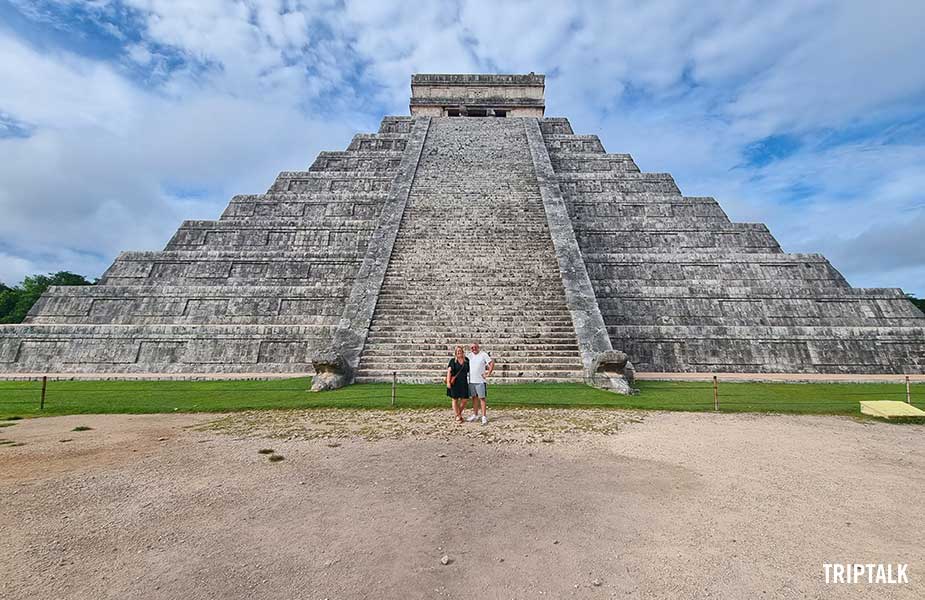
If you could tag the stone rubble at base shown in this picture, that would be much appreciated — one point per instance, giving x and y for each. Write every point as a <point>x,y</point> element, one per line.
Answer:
<point>565,262</point>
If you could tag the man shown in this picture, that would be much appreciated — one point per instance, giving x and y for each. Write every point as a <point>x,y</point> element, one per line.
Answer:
<point>481,366</point>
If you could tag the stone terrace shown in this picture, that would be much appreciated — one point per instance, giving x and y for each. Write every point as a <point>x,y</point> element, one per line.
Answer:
<point>259,290</point>
<point>439,229</point>
<point>682,288</point>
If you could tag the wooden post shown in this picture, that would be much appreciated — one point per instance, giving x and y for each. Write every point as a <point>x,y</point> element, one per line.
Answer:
<point>908,391</point>
<point>45,384</point>
<point>394,381</point>
<point>715,394</point>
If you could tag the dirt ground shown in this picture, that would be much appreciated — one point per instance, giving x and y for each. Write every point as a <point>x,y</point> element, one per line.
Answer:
<point>537,504</point>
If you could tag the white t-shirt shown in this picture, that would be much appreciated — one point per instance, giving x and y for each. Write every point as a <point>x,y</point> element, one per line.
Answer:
<point>478,364</point>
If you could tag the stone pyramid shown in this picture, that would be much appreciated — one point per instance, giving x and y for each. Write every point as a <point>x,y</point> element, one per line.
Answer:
<point>476,218</point>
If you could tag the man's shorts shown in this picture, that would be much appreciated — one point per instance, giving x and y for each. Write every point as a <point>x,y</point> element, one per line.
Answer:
<point>477,390</point>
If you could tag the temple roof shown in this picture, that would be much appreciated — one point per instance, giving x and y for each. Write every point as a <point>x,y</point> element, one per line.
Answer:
<point>438,93</point>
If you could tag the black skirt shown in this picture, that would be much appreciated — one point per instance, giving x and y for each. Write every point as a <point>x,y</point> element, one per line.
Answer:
<point>460,386</point>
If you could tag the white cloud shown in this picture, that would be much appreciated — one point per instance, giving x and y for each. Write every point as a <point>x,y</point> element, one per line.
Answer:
<point>95,176</point>
<point>61,91</point>
<point>861,58</point>
<point>14,268</point>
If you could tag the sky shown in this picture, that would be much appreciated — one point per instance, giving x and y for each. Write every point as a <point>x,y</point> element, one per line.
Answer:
<point>121,118</point>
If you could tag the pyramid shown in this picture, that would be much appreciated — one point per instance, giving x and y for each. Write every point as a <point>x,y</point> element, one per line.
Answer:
<point>476,218</point>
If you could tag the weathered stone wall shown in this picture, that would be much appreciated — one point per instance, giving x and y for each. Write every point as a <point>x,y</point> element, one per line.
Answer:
<point>519,95</point>
<point>429,111</point>
<point>522,111</point>
<point>316,304</point>
<point>475,91</point>
<point>257,291</point>
<point>145,349</point>
<point>681,288</point>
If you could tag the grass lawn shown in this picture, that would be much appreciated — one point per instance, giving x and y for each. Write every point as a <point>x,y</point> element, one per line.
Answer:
<point>21,399</point>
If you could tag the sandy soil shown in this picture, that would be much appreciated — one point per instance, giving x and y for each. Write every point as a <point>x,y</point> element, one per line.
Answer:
<point>538,504</point>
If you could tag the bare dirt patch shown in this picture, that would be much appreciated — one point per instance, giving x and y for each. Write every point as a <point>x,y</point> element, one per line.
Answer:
<point>525,426</point>
<point>367,505</point>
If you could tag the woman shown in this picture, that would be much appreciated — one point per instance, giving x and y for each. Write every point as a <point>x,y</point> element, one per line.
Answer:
<point>457,380</point>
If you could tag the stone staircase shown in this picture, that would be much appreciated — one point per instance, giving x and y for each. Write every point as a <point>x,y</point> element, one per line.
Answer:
<point>473,261</point>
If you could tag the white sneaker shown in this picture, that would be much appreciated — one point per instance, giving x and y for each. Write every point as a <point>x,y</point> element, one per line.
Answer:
<point>472,418</point>
<point>484,420</point>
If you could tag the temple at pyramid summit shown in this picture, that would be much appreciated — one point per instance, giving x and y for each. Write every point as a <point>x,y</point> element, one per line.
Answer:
<point>474,218</point>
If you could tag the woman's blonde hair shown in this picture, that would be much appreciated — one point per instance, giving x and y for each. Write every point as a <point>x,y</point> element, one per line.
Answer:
<point>457,349</point>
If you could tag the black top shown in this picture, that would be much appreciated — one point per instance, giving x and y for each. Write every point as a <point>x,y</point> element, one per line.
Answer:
<point>460,385</point>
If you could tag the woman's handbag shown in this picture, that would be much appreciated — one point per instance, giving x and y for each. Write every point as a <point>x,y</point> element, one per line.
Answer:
<point>453,377</point>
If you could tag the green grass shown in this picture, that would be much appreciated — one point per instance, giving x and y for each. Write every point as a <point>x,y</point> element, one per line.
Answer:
<point>21,399</point>
<point>799,398</point>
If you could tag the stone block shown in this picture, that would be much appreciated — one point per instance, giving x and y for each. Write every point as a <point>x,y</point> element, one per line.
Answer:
<point>284,352</point>
<point>161,353</point>
<point>9,349</point>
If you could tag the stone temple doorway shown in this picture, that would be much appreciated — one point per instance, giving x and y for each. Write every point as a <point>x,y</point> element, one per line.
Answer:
<point>476,112</point>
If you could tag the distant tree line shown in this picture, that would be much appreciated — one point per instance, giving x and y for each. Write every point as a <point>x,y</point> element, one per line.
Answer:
<point>16,301</point>
<point>920,302</point>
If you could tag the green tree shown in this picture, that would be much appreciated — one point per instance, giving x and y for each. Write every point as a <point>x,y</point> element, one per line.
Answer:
<point>920,302</point>
<point>8,297</point>
<point>15,302</point>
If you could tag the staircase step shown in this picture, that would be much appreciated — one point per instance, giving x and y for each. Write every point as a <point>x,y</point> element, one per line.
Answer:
<point>500,349</point>
<point>470,329</point>
<point>509,355</point>
<point>424,376</point>
<point>473,260</point>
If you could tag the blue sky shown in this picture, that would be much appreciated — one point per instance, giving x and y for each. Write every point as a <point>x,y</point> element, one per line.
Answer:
<point>121,118</point>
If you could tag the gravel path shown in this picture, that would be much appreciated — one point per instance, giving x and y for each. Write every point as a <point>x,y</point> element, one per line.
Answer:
<point>538,504</point>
